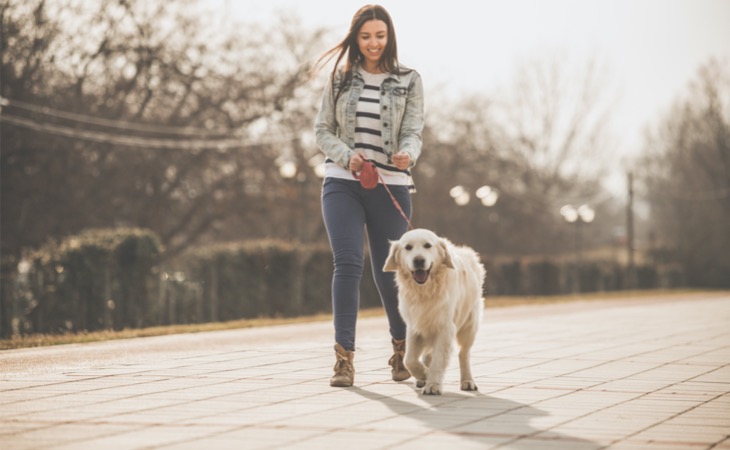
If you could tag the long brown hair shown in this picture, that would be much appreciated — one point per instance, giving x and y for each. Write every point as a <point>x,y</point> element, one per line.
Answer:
<point>388,61</point>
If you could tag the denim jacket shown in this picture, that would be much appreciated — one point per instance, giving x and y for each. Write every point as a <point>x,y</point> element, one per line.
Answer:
<point>401,116</point>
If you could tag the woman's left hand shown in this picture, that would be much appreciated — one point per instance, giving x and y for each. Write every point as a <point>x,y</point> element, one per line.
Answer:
<point>401,160</point>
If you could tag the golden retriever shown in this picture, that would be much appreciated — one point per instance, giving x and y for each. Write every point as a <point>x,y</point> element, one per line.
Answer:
<point>440,299</point>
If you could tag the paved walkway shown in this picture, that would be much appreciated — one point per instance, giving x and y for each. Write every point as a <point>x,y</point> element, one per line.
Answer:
<point>642,374</point>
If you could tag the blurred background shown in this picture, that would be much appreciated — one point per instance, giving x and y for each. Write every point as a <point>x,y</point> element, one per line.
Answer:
<point>159,165</point>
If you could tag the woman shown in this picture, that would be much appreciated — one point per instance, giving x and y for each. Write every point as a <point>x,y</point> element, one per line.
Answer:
<point>372,110</point>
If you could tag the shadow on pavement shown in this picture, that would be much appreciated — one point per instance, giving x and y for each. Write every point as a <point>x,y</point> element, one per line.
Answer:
<point>489,420</point>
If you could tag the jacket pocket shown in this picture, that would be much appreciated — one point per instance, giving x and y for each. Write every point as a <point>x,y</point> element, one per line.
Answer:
<point>400,91</point>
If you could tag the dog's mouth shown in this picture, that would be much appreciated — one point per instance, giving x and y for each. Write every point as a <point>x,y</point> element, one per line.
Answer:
<point>421,275</point>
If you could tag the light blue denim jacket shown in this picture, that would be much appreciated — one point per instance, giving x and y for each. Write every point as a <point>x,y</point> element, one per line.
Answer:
<point>401,116</point>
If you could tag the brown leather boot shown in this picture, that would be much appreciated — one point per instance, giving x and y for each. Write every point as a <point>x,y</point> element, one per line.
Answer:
<point>399,371</point>
<point>344,368</point>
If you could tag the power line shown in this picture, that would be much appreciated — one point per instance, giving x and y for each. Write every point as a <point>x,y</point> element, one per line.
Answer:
<point>132,141</point>
<point>120,124</point>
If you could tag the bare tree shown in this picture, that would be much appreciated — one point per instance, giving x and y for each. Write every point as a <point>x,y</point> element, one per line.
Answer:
<point>541,145</point>
<point>687,178</point>
<point>139,113</point>
<point>556,117</point>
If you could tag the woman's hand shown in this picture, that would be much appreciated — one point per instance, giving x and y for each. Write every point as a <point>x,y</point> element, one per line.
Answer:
<point>356,162</point>
<point>401,160</point>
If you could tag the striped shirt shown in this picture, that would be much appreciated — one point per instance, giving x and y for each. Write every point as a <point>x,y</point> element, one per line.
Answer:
<point>368,135</point>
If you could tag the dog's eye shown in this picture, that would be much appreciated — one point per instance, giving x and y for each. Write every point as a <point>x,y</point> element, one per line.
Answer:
<point>409,247</point>
<point>428,245</point>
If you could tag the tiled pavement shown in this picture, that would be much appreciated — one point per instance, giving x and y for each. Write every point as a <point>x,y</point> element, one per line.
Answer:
<point>645,373</point>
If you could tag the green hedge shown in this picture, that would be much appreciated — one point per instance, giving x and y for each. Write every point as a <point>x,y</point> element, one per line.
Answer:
<point>110,279</point>
<point>99,279</point>
<point>244,280</point>
<point>267,278</point>
<point>548,277</point>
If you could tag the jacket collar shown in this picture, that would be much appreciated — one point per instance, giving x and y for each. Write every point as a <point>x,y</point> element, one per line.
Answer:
<point>356,73</point>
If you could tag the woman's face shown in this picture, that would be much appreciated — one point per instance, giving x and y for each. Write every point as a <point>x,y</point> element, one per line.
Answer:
<point>372,39</point>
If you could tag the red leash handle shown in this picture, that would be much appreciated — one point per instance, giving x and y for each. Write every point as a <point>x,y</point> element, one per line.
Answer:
<point>368,175</point>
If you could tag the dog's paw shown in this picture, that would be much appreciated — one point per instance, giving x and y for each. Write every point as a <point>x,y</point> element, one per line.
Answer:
<point>432,389</point>
<point>417,370</point>
<point>420,383</point>
<point>469,385</point>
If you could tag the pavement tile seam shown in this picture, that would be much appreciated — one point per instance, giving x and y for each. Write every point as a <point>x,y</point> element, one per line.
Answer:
<point>595,411</point>
<point>725,443</point>
<point>170,390</point>
<point>57,441</point>
<point>88,391</point>
<point>250,407</point>
<point>123,433</point>
<point>630,436</point>
<point>664,443</point>
<point>99,420</point>
<point>134,368</point>
<point>364,429</point>
<point>326,431</point>
<point>86,380</point>
<point>598,365</point>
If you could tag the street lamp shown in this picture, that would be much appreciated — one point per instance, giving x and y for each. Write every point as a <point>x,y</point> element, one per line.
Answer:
<point>288,170</point>
<point>583,214</point>
<point>297,190</point>
<point>460,195</point>
<point>486,194</point>
<point>580,215</point>
<point>317,163</point>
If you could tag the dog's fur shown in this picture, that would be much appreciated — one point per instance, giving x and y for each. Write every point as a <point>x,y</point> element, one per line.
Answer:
<point>440,299</point>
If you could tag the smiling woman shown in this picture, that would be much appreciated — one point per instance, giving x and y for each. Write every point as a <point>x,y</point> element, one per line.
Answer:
<point>371,110</point>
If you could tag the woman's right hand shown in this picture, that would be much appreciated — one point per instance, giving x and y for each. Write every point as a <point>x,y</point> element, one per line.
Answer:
<point>356,162</point>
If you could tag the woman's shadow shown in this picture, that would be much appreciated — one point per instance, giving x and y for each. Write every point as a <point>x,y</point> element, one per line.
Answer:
<point>490,420</point>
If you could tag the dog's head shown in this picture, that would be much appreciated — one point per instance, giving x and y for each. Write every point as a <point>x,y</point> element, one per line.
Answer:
<point>418,252</point>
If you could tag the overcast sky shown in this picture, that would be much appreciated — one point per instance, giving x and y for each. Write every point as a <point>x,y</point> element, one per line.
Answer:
<point>651,48</point>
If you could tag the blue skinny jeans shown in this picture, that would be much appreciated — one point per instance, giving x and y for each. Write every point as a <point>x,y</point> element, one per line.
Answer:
<point>348,210</point>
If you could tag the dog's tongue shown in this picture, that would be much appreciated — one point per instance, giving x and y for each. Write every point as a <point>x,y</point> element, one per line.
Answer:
<point>420,276</point>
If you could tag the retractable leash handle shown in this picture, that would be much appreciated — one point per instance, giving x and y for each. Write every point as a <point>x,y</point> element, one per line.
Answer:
<point>368,175</point>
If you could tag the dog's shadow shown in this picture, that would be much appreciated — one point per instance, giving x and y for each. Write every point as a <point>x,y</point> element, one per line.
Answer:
<point>479,417</point>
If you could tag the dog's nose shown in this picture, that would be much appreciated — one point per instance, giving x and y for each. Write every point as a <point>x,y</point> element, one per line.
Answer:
<point>419,263</point>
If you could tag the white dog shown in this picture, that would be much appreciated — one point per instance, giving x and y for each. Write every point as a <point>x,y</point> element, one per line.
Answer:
<point>439,298</point>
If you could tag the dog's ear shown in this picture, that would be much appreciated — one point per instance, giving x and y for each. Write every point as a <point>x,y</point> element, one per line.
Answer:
<point>391,263</point>
<point>445,254</point>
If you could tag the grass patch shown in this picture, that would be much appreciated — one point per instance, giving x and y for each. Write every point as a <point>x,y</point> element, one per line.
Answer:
<point>40,340</point>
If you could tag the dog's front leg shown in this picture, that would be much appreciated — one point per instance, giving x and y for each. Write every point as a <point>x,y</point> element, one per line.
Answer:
<point>439,361</point>
<point>426,361</point>
<point>412,358</point>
